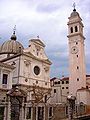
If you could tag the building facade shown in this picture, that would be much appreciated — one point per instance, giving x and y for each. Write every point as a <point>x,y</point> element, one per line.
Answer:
<point>24,80</point>
<point>60,89</point>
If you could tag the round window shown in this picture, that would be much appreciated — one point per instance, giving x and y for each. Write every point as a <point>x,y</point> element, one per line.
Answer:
<point>36,70</point>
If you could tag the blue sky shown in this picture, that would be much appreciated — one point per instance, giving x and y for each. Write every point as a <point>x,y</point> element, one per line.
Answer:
<point>48,19</point>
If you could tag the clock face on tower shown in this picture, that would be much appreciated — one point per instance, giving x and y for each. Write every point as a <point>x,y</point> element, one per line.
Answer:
<point>74,50</point>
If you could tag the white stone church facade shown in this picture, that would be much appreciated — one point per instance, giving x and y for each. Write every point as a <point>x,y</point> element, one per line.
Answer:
<point>24,80</point>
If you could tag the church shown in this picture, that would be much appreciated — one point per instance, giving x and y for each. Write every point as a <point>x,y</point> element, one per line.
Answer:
<point>24,80</point>
<point>26,91</point>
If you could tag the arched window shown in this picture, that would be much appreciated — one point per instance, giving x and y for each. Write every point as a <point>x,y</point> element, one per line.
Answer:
<point>71,29</point>
<point>76,29</point>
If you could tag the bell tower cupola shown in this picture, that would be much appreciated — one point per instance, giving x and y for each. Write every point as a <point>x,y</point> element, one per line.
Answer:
<point>75,25</point>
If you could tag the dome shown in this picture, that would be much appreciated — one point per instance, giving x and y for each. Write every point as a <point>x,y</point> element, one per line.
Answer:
<point>11,46</point>
<point>74,13</point>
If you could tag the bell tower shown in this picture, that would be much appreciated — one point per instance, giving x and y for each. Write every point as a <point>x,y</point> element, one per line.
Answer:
<point>77,78</point>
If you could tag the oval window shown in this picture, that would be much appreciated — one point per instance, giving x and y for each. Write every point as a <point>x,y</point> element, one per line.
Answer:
<point>36,70</point>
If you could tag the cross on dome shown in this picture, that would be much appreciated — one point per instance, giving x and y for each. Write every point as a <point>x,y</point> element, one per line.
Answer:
<point>74,5</point>
<point>38,36</point>
<point>14,29</point>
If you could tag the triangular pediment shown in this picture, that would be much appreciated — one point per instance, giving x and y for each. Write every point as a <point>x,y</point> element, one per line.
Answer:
<point>38,41</point>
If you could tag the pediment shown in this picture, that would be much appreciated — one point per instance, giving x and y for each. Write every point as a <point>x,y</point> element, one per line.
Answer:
<point>38,41</point>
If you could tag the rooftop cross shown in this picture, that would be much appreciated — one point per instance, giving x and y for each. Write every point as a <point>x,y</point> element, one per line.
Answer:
<point>14,29</point>
<point>13,37</point>
<point>38,36</point>
<point>74,5</point>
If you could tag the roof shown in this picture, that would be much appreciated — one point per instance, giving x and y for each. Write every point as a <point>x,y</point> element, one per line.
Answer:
<point>11,46</point>
<point>11,57</point>
<point>74,13</point>
<point>87,75</point>
<point>26,54</point>
<point>63,78</point>
<point>83,89</point>
<point>52,79</point>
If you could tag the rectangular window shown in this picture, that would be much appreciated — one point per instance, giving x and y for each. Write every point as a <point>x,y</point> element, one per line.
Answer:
<point>5,77</point>
<point>62,82</point>
<point>45,98</point>
<point>40,113</point>
<point>24,112</point>
<point>50,111</point>
<point>55,82</point>
<point>71,29</point>
<point>28,113</point>
<point>67,82</point>
<point>76,29</point>
<point>54,90</point>
<point>37,52</point>
<point>66,110</point>
<point>58,82</point>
